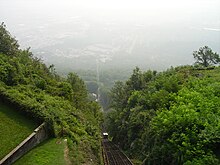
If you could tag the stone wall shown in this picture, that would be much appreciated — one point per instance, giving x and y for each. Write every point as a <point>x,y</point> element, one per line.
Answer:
<point>40,134</point>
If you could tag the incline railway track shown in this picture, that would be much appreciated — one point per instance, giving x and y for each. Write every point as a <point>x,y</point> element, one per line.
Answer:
<point>112,154</point>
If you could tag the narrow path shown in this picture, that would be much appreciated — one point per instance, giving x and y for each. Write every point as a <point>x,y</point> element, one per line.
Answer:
<point>66,153</point>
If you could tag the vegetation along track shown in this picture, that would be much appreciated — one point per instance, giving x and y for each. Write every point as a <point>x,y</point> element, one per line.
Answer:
<point>112,154</point>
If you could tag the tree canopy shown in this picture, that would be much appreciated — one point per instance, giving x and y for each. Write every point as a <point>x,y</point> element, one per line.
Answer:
<point>8,44</point>
<point>206,57</point>
<point>168,118</point>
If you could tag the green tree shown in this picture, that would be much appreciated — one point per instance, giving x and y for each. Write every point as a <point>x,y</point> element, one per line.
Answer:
<point>136,81</point>
<point>119,95</point>
<point>8,44</point>
<point>205,56</point>
<point>78,87</point>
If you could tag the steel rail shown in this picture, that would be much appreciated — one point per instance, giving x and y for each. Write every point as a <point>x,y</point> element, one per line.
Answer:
<point>113,155</point>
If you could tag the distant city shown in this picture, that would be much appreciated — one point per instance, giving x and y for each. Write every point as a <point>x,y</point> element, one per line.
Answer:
<point>75,39</point>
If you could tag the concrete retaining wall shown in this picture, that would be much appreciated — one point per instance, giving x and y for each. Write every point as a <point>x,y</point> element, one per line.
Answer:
<point>40,134</point>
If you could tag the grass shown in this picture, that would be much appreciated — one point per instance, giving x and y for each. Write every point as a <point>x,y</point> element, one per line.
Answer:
<point>14,128</point>
<point>50,152</point>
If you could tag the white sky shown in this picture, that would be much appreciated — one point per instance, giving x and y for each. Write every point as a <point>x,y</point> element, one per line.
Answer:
<point>154,9</point>
<point>145,4</point>
<point>125,4</point>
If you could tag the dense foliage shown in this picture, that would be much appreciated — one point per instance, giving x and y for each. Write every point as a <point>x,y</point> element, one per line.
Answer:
<point>102,86</point>
<point>37,90</point>
<point>169,118</point>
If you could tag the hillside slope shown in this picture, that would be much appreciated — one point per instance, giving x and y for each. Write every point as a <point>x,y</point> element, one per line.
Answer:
<point>172,117</point>
<point>27,83</point>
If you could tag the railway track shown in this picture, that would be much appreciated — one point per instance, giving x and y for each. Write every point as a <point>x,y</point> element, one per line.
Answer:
<point>113,155</point>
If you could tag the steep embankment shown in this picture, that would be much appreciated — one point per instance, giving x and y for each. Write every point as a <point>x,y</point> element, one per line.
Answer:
<point>14,128</point>
<point>27,83</point>
<point>170,117</point>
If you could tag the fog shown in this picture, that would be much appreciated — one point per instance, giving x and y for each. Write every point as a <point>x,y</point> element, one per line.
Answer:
<point>118,34</point>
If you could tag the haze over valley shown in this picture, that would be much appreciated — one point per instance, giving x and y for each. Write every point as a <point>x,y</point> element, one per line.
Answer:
<point>119,34</point>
